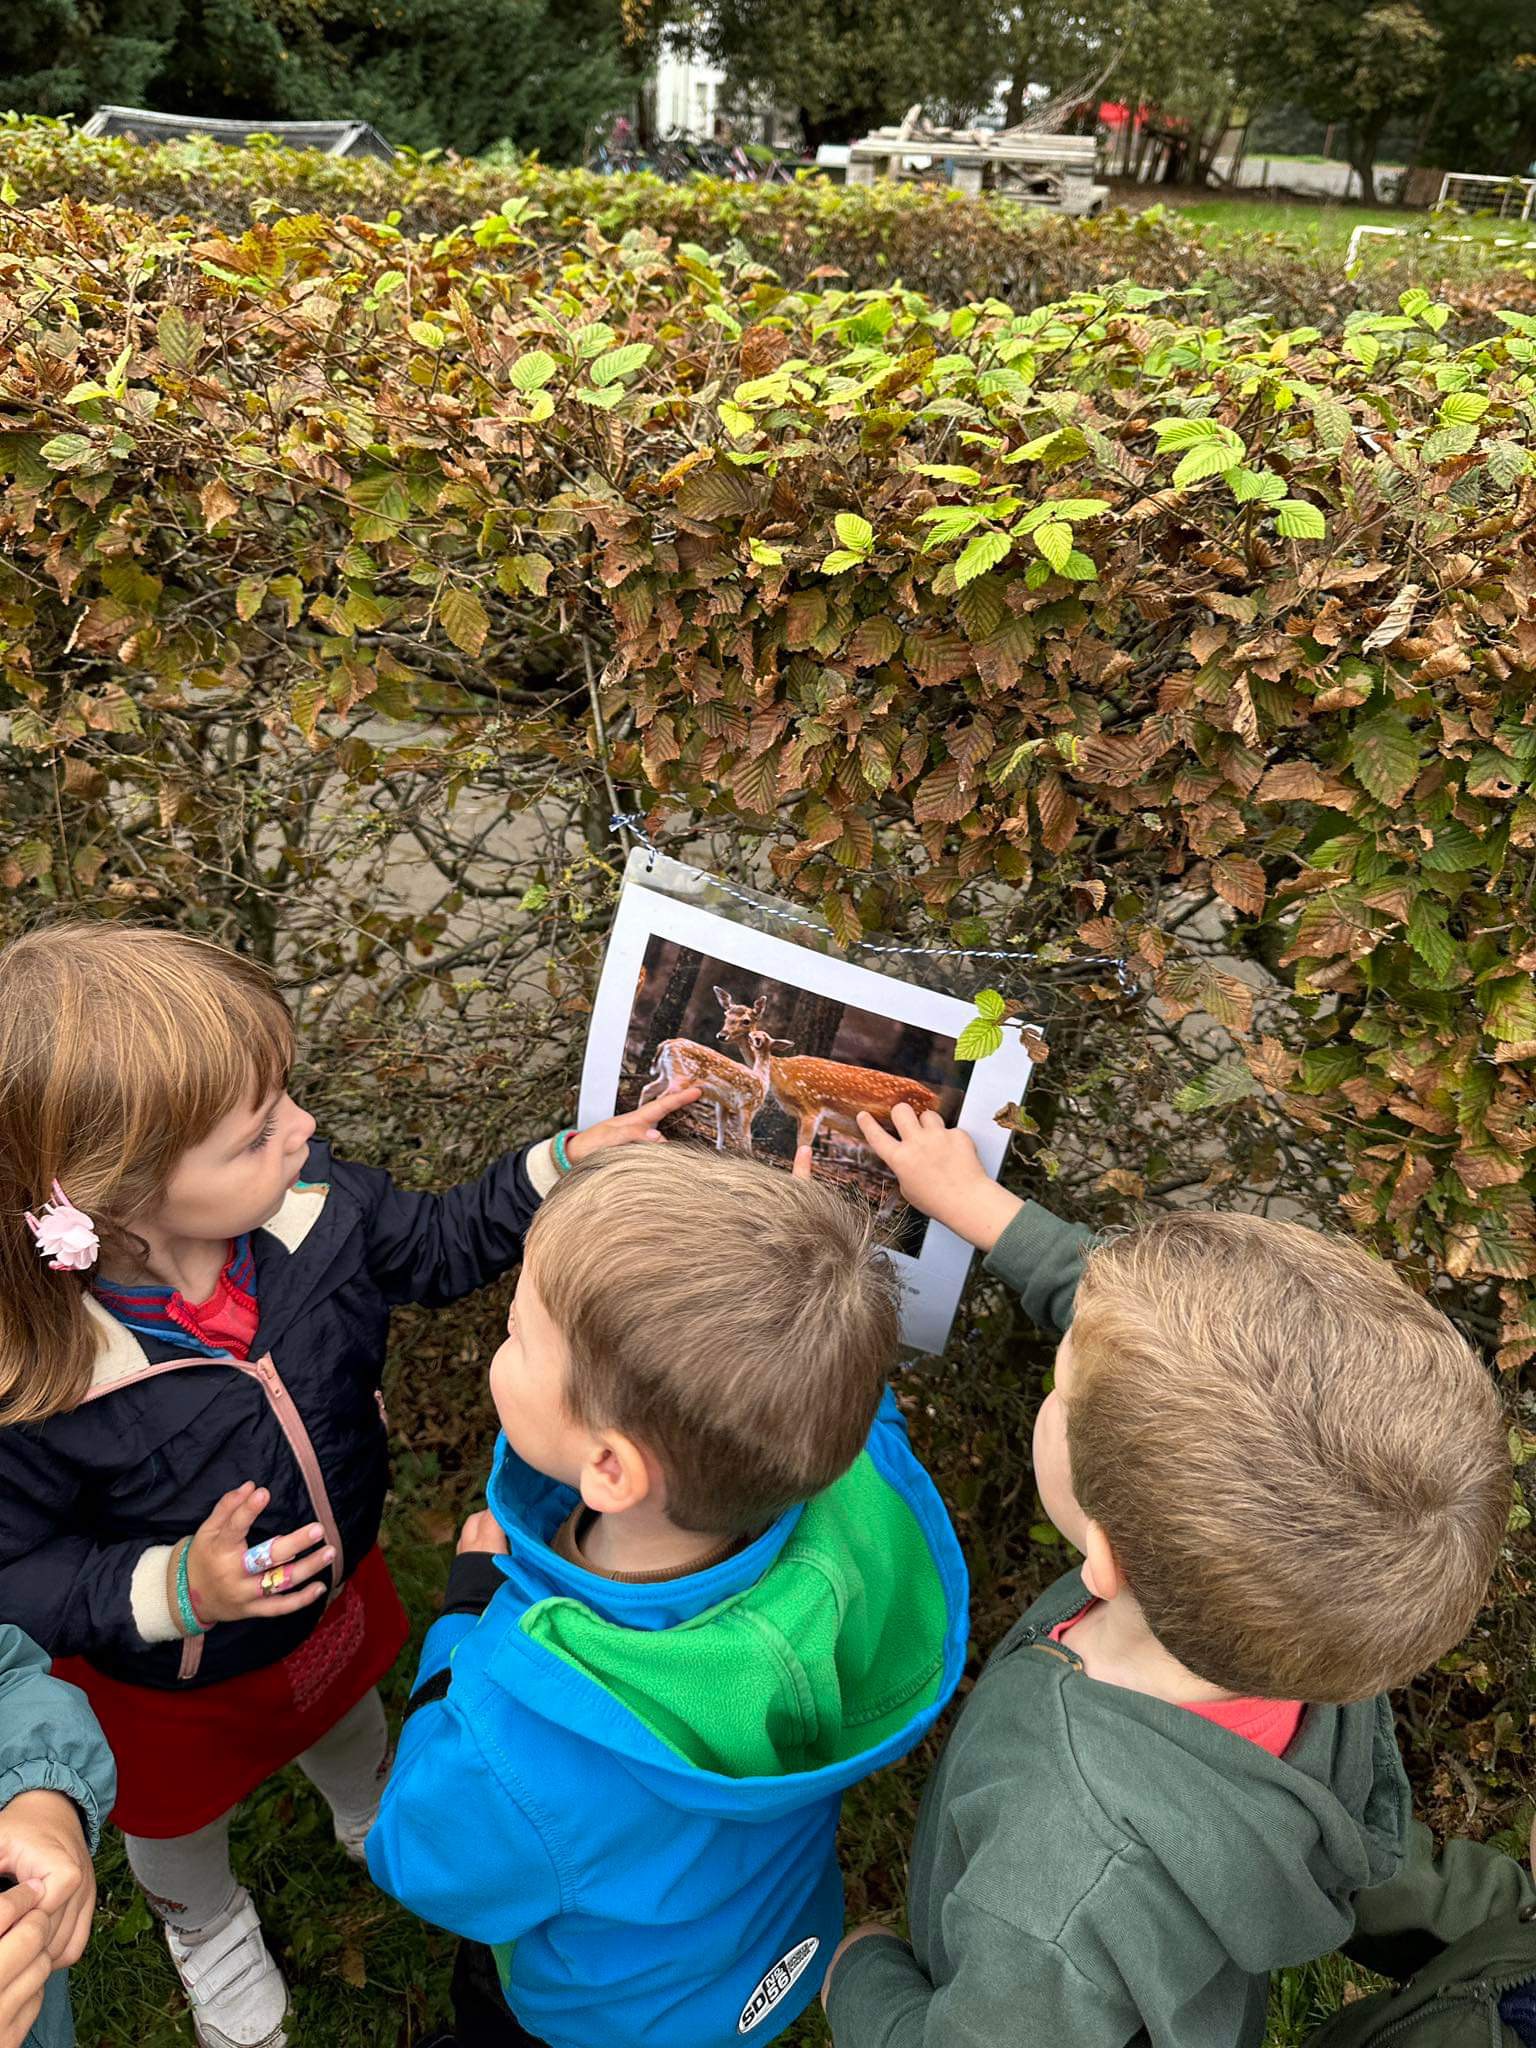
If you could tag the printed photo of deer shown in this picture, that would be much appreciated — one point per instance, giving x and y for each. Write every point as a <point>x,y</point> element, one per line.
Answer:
<point>779,1067</point>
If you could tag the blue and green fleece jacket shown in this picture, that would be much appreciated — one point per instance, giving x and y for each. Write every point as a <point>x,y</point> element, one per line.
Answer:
<point>631,1792</point>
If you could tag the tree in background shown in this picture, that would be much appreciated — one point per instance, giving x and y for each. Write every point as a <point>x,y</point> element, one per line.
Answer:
<point>462,74</point>
<point>1052,45</point>
<point>457,74</point>
<point>58,56</point>
<point>847,66</point>
<point>1486,117</point>
<point>1197,62</point>
<point>1366,70</point>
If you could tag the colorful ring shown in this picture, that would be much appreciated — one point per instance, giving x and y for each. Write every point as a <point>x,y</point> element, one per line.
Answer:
<point>274,1580</point>
<point>258,1559</point>
<point>563,1160</point>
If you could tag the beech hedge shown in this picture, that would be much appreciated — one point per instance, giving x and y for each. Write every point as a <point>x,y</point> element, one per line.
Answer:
<point>978,626</point>
<point>939,242</point>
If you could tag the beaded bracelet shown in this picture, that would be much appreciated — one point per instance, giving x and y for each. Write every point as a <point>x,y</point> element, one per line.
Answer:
<point>562,1157</point>
<point>190,1624</point>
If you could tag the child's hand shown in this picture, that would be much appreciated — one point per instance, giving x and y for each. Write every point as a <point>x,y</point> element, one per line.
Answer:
<point>940,1174</point>
<point>859,1934</point>
<point>221,1587</point>
<point>25,1965</point>
<point>41,1838</point>
<point>483,1532</point>
<point>637,1127</point>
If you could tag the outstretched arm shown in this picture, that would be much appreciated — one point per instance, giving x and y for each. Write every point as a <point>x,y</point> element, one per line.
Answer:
<point>939,1171</point>
<point>433,1248</point>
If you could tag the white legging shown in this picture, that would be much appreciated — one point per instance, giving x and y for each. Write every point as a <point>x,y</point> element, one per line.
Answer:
<point>188,1880</point>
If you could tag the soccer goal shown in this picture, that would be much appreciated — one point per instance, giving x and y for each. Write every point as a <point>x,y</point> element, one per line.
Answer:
<point>1472,192</point>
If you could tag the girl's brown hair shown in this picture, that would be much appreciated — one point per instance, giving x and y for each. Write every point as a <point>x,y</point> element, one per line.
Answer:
<point>120,1047</point>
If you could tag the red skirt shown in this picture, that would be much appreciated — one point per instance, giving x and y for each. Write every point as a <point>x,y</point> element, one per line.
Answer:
<point>184,1758</point>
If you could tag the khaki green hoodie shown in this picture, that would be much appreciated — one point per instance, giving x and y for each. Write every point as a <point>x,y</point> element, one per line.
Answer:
<point>1095,1868</point>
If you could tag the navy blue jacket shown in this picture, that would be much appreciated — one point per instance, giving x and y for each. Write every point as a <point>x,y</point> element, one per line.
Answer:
<point>145,1458</point>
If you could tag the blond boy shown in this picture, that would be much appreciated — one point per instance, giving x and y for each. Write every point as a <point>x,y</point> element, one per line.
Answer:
<point>1287,1478</point>
<point>714,1588</point>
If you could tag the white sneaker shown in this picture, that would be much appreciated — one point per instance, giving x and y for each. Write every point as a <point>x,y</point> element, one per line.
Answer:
<point>236,1991</point>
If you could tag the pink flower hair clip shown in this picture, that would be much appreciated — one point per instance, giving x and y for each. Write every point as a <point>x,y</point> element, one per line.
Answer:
<point>66,1236</point>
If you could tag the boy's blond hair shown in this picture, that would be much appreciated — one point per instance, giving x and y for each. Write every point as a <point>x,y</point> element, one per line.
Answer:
<point>1300,1464</point>
<point>738,1323</point>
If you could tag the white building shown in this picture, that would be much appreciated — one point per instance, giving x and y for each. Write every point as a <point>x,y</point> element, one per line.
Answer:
<point>687,95</point>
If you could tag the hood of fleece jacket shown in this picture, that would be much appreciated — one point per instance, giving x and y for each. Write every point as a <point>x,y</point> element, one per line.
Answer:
<point>1268,1852</point>
<point>822,1651</point>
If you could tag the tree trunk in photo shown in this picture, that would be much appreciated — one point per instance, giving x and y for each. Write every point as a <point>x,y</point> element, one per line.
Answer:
<point>812,1025</point>
<point>672,1006</point>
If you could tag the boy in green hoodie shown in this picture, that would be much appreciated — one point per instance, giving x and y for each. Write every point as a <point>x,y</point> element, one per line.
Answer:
<point>1288,1480</point>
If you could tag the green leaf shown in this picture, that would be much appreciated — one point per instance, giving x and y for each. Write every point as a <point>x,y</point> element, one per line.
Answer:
<point>1429,938</point>
<point>1176,434</point>
<point>736,420</point>
<point>180,339</point>
<point>1079,568</point>
<point>464,619</point>
<point>1209,458</point>
<point>535,897</point>
<point>1365,348</point>
<point>979,1040</point>
<point>1465,407</point>
<point>1414,302</point>
<point>948,472</point>
<point>949,522</point>
<point>840,561</point>
<point>766,553</point>
<point>981,554</point>
<point>990,1004</point>
<point>534,370</point>
<point>1298,520</point>
<point>1446,443</point>
<point>619,362</point>
<point>1456,850</point>
<point>426,333</point>
<point>1508,462</point>
<point>67,451</point>
<point>1054,541</point>
<point>1077,508</point>
<point>1510,1009</point>
<point>856,534</point>
<point>1385,757</point>
<point>1256,486</point>
<point>1225,1082</point>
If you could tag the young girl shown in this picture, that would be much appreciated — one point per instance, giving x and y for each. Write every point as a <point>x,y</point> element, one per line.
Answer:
<point>194,1304</point>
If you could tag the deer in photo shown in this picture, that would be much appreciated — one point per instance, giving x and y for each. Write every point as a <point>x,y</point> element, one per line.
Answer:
<point>825,1094</point>
<point>732,1090</point>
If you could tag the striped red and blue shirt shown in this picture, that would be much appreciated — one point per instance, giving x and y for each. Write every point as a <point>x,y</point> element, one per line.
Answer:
<point>222,1326</point>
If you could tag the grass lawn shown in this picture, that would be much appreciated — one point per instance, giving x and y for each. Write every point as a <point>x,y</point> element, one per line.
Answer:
<point>1322,225</point>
